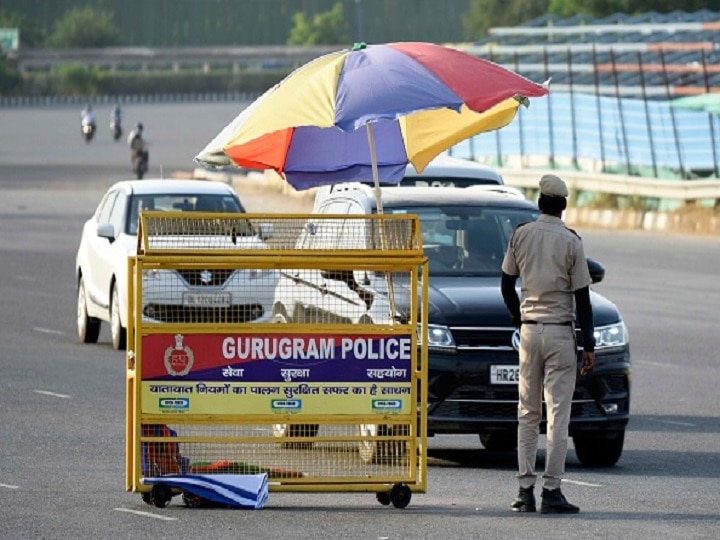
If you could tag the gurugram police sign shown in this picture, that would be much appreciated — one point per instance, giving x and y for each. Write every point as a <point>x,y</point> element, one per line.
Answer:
<point>208,373</point>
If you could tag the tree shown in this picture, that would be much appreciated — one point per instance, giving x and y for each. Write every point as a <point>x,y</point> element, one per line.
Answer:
<point>326,28</point>
<point>85,27</point>
<point>485,14</point>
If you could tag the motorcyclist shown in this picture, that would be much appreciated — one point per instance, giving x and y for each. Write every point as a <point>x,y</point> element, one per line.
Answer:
<point>135,138</point>
<point>116,114</point>
<point>115,122</point>
<point>138,147</point>
<point>87,117</point>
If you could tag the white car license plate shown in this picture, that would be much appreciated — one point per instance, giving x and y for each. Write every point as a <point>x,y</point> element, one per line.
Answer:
<point>198,299</point>
<point>504,374</point>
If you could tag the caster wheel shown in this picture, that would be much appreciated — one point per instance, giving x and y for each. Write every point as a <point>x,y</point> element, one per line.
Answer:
<point>147,497</point>
<point>161,495</point>
<point>383,497</point>
<point>400,495</point>
<point>191,500</point>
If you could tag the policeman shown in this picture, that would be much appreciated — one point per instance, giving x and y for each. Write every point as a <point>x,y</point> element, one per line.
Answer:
<point>550,261</point>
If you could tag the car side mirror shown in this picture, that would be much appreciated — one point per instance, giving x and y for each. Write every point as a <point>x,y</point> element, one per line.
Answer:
<point>106,230</point>
<point>597,270</point>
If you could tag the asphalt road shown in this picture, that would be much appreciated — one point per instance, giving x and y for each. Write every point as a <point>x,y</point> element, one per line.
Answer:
<point>62,405</point>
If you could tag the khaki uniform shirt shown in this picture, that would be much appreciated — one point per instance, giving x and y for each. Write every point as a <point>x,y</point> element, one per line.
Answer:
<point>551,263</point>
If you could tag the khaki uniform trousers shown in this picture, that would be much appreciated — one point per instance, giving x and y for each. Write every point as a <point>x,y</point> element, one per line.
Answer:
<point>548,360</point>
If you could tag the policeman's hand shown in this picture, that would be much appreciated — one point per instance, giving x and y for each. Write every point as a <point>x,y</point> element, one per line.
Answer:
<point>588,363</point>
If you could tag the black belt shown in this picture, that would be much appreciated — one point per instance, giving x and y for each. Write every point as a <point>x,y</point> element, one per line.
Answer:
<point>566,323</point>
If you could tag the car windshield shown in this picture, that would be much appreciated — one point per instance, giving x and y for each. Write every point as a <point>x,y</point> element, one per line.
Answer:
<point>467,240</point>
<point>179,202</point>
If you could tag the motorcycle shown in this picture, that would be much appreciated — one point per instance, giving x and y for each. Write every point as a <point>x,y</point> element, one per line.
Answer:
<point>140,160</point>
<point>88,131</point>
<point>116,130</point>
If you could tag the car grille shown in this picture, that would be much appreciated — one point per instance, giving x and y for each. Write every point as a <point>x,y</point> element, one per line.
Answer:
<point>206,278</point>
<point>482,337</point>
<point>187,314</point>
<point>493,338</point>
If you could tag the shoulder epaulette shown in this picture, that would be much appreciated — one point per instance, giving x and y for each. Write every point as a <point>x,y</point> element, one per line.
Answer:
<point>574,232</point>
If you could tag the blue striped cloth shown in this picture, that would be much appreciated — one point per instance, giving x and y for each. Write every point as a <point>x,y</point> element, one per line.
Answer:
<point>234,490</point>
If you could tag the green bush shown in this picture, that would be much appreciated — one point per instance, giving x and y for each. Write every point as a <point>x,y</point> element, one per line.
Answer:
<point>9,76</point>
<point>77,80</point>
<point>85,27</point>
<point>326,28</point>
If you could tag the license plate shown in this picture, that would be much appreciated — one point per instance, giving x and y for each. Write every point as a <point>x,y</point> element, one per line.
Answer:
<point>196,299</point>
<point>504,374</point>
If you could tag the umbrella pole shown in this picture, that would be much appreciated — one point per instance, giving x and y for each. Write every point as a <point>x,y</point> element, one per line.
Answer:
<point>378,200</point>
<point>373,162</point>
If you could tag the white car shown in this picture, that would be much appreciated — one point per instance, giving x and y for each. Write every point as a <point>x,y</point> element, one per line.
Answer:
<point>109,237</point>
<point>443,171</point>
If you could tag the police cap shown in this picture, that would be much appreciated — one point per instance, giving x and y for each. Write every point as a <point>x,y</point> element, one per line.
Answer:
<point>553,186</point>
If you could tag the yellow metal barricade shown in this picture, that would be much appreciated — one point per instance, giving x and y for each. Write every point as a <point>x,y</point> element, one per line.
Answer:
<point>278,344</point>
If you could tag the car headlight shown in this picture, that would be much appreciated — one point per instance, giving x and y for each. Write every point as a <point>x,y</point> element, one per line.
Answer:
<point>438,336</point>
<point>611,336</point>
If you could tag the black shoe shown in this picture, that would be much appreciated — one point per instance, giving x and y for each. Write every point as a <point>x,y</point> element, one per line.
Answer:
<point>554,502</point>
<point>525,501</point>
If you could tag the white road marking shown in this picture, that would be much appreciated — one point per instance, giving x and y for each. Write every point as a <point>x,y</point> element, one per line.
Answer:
<point>8,486</point>
<point>146,514</point>
<point>48,331</point>
<point>673,422</point>
<point>579,483</point>
<point>52,394</point>
<point>654,364</point>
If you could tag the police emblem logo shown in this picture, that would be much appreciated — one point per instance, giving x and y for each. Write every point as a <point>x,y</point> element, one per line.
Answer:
<point>178,359</point>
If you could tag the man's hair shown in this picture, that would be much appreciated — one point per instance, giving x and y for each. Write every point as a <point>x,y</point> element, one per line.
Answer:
<point>552,205</point>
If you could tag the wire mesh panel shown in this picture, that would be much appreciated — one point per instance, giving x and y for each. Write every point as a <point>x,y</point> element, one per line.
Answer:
<point>284,345</point>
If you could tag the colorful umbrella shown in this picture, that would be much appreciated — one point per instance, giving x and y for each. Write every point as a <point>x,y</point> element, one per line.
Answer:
<point>415,100</point>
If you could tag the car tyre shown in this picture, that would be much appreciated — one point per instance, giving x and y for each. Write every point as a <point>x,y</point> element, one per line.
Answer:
<point>599,451</point>
<point>499,442</point>
<point>117,331</point>
<point>295,430</point>
<point>88,327</point>
<point>387,452</point>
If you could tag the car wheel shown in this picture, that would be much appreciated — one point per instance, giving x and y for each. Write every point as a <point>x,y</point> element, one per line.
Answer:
<point>118,332</point>
<point>295,430</point>
<point>499,442</point>
<point>599,450</point>
<point>382,451</point>
<point>88,327</point>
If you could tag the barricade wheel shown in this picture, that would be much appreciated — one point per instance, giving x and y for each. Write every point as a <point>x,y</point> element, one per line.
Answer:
<point>161,495</point>
<point>383,497</point>
<point>147,497</point>
<point>191,500</point>
<point>400,495</point>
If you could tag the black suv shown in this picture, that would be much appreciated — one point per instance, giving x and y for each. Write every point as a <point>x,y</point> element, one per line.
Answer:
<point>473,358</point>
